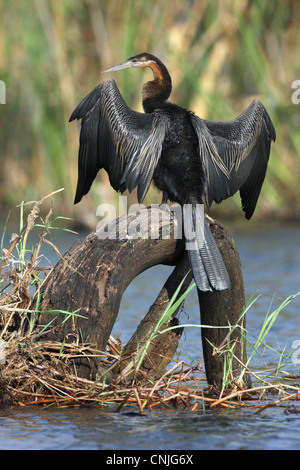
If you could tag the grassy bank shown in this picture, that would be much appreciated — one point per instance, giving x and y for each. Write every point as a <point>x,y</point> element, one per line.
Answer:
<point>35,371</point>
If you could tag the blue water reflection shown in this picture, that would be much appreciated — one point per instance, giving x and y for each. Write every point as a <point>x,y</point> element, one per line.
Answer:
<point>271,267</point>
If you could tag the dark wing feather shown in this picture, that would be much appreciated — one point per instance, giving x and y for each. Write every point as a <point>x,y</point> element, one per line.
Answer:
<point>127,144</point>
<point>235,155</point>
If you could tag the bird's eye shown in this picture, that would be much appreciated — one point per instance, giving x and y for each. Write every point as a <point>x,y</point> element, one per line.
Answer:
<point>134,62</point>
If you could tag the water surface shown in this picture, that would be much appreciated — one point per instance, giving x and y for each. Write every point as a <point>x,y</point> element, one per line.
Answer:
<point>271,269</point>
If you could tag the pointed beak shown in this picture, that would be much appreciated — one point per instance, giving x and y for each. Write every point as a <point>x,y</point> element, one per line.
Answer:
<point>124,65</point>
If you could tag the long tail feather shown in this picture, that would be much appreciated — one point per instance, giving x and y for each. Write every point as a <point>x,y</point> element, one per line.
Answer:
<point>208,267</point>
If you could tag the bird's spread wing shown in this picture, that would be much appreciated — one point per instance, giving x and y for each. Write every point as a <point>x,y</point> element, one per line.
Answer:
<point>235,155</point>
<point>127,144</point>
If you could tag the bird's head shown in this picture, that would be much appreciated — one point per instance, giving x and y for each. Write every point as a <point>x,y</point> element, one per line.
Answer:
<point>154,92</point>
<point>140,60</point>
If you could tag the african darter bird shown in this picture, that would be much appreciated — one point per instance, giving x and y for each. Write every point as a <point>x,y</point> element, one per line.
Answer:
<point>189,159</point>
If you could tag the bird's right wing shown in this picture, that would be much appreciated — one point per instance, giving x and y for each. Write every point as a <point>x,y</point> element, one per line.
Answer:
<point>235,155</point>
<point>127,144</point>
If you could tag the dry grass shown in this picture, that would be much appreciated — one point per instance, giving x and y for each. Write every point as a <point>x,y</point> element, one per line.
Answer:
<point>42,373</point>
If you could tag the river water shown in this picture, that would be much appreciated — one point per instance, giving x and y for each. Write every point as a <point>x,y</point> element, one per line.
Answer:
<point>271,269</point>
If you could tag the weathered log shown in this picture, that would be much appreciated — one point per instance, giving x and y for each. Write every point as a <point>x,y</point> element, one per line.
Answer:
<point>221,310</point>
<point>94,273</point>
<point>162,349</point>
<point>91,277</point>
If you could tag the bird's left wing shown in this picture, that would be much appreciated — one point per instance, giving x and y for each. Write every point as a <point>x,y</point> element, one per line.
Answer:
<point>235,155</point>
<point>126,143</point>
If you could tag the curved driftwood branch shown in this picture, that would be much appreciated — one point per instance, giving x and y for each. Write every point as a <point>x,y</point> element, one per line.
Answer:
<point>92,276</point>
<point>224,309</point>
<point>162,349</point>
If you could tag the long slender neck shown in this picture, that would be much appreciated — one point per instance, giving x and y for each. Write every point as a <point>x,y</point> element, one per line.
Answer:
<point>156,92</point>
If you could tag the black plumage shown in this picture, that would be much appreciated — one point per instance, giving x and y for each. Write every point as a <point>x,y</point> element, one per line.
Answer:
<point>189,159</point>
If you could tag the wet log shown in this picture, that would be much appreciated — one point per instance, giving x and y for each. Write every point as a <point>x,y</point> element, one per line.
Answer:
<point>162,348</point>
<point>222,310</point>
<point>92,276</point>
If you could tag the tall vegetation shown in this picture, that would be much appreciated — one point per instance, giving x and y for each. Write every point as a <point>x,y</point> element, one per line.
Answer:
<point>220,54</point>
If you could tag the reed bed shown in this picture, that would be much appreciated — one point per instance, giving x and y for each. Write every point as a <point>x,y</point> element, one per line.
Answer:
<point>35,371</point>
<point>220,54</point>
<point>41,373</point>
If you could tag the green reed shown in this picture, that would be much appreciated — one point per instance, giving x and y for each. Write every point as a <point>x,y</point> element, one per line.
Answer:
<point>220,55</point>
